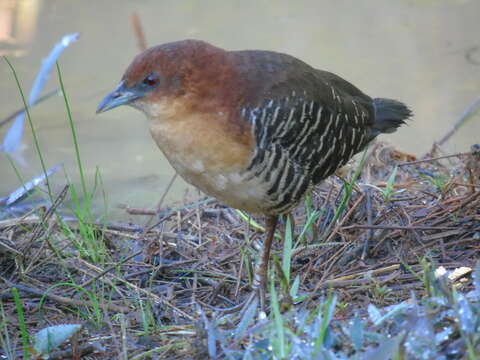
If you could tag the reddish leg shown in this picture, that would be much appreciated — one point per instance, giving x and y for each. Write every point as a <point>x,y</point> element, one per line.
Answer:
<point>261,271</point>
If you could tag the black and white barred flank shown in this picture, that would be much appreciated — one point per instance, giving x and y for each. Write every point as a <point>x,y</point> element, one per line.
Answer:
<point>300,142</point>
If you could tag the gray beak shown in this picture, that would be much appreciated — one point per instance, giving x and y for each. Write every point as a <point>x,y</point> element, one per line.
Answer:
<point>120,96</point>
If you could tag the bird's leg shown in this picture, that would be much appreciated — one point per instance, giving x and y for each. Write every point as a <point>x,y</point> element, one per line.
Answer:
<point>261,271</point>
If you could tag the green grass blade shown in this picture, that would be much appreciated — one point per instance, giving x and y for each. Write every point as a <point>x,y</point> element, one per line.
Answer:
<point>327,315</point>
<point>294,287</point>
<point>312,218</point>
<point>21,322</point>
<point>287,249</point>
<point>30,122</point>
<point>5,342</point>
<point>278,321</point>
<point>387,193</point>
<point>74,136</point>
<point>347,192</point>
<point>253,223</point>
<point>246,320</point>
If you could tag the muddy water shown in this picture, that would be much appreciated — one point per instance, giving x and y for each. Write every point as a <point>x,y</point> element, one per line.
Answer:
<point>425,53</point>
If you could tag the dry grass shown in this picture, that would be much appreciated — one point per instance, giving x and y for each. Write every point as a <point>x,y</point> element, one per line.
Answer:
<point>156,288</point>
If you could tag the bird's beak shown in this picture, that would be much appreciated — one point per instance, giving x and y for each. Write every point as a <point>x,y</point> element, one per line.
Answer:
<point>120,96</point>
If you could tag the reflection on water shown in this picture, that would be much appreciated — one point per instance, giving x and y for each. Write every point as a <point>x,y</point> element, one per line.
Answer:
<point>18,22</point>
<point>425,53</point>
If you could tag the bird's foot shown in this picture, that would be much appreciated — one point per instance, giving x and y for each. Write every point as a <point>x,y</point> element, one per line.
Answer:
<point>255,300</point>
<point>251,303</point>
<point>257,296</point>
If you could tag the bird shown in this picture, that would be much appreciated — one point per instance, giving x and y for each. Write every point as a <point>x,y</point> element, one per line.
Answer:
<point>255,129</point>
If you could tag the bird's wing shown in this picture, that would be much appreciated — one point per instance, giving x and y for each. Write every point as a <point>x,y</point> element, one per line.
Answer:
<point>300,142</point>
<point>318,136</point>
<point>320,119</point>
<point>306,124</point>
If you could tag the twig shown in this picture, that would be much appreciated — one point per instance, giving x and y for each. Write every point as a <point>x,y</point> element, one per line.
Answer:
<point>40,228</point>
<point>9,248</point>
<point>138,30</point>
<point>355,282</point>
<point>347,215</point>
<point>470,110</point>
<point>26,219</point>
<point>369,221</point>
<point>62,299</point>
<point>36,102</point>
<point>39,253</point>
<point>368,272</point>
<point>439,158</point>
<point>107,270</point>
<point>160,299</point>
<point>67,354</point>
<point>138,211</point>
<point>148,225</point>
<point>397,227</point>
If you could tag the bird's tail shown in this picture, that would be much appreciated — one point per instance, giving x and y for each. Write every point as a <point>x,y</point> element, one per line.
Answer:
<point>389,115</point>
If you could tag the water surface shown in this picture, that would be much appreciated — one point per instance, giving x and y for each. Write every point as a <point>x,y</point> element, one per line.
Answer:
<point>425,53</point>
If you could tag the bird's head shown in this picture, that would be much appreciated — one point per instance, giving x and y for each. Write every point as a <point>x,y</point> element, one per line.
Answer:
<point>191,73</point>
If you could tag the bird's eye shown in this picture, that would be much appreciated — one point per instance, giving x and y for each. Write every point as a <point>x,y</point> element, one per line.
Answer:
<point>151,80</point>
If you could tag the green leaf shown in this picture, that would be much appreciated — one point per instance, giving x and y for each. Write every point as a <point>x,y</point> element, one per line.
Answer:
<point>357,333</point>
<point>327,315</point>
<point>278,321</point>
<point>294,287</point>
<point>287,249</point>
<point>387,193</point>
<point>386,350</point>
<point>246,320</point>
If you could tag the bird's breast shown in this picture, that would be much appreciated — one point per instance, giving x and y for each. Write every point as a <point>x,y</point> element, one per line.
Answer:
<point>207,155</point>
